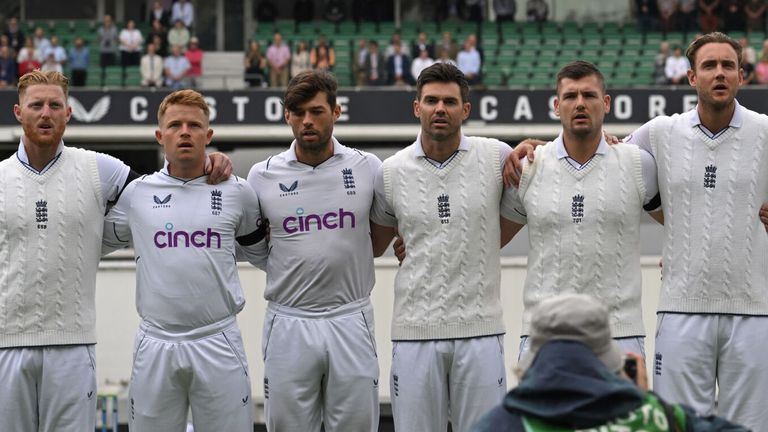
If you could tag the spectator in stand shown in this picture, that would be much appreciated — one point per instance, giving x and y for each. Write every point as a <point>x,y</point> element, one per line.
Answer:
<point>151,68</point>
<point>176,67</point>
<point>358,66</point>
<point>374,65</point>
<point>41,42</point>
<point>178,35</point>
<point>322,55</point>
<point>184,11</point>
<point>747,70</point>
<point>668,15</point>
<point>536,11</point>
<point>755,11</point>
<point>195,57</point>
<point>399,67</point>
<point>59,53</point>
<point>505,11</point>
<point>647,15</point>
<point>422,42</point>
<point>279,58</point>
<point>255,65</point>
<point>396,39</point>
<point>51,65</point>
<point>420,63</point>
<point>300,60</point>
<point>676,68</point>
<point>108,45</point>
<point>687,20</point>
<point>160,14</point>
<point>335,11</point>
<point>469,62</point>
<point>131,42</point>
<point>733,16</point>
<point>709,15</point>
<point>159,31</point>
<point>15,35</point>
<point>29,58</point>
<point>7,67</point>
<point>660,63</point>
<point>79,58</point>
<point>265,11</point>
<point>443,57</point>
<point>303,12</point>
<point>448,45</point>
<point>761,69</point>
<point>747,52</point>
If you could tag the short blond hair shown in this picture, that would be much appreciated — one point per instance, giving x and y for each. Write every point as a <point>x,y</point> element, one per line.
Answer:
<point>38,77</point>
<point>182,97</point>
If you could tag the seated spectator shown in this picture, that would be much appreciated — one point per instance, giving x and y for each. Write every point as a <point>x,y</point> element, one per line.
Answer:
<point>184,11</point>
<point>300,59</point>
<point>108,45</point>
<point>399,67</point>
<point>178,35</point>
<point>255,65</point>
<point>647,15</point>
<point>51,65</point>
<point>79,58</point>
<point>195,57</point>
<point>8,67</point>
<point>709,15</point>
<point>747,52</point>
<point>761,69</point>
<point>28,59</point>
<point>668,15</point>
<point>676,68</point>
<point>279,58</point>
<point>161,45</point>
<point>733,16</point>
<point>505,11</point>
<point>159,14</point>
<point>151,68</point>
<point>448,45</point>
<point>420,63</point>
<point>176,67</point>
<point>374,65</point>
<point>660,63</point>
<point>422,42</point>
<point>41,42</point>
<point>748,72</point>
<point>15,35</point>
<point>131,42</point>
<point>334,11</point>
<point>396,39</point>
<point>59,53</point>
<point>468,61</point>
<point>322,55</point>
<point>574,378</point>
<point>265,11</point>
<point>755,14</point>
<point>443,57</point>
<point>358,65</point>
<point>159,31</point>
<point>686,16</point>
<point>536,11</point>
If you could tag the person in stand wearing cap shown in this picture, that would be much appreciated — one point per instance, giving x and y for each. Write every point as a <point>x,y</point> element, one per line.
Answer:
<point>572,378</point>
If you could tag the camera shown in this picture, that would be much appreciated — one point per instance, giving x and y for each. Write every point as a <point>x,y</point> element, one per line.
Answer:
<point>630,368</point>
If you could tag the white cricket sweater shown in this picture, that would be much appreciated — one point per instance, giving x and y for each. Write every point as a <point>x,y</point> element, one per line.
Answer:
<point>448,284</point>
<point>584,232</point>
<point>715,249</point>
<point>50,245</point>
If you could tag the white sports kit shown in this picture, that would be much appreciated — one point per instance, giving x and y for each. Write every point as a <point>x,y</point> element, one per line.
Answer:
<point>319,349</point>
<point>188,350</point>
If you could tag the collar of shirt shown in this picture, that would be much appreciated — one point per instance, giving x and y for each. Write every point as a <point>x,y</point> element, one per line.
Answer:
<point>21,153</point>
<point>561,153</point>
<point>418,151</point>
<point>291,155</point>
<point>736,121</point>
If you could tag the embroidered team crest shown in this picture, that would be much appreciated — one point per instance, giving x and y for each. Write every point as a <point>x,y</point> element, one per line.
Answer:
<point>710,176</point>
<point>577,208</point>
<point>215,202</point>
<point>289,190</point>
<point>41,214</point>
<point>443,209</point>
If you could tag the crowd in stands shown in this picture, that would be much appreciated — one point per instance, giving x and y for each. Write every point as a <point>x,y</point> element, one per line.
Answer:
<point>704,16</point>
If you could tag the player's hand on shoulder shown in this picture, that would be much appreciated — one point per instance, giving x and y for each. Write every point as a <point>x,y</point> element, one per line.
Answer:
<point>764,215</point>
<point>513,166</point>
<point>399,248</point>
<point>611,139</point>
<point>218,166</point>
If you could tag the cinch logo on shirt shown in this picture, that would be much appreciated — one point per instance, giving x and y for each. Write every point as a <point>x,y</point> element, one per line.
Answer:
<point>197,239</point>
<point>330,220</point>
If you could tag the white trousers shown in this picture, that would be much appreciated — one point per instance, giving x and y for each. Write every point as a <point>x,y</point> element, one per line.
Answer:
<point>204,369</point>
<point>48,389</point>
<point>321,368</point>
<point>456,380</point>
<point>696,354</point>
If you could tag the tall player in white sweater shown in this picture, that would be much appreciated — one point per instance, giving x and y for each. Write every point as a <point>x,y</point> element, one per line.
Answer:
<point>582,200</point>
<point>320,362</point>
<point>713,177</point>
<point>442,194</point>
<point>189,352</point>
<point>52,207</point>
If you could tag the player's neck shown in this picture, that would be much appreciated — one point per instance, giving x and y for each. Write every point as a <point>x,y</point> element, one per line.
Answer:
<point>715,119</point>
<point>314,157</point>
<point>39,155</point>
<point>440,150</point>
<point>186,169</point>
<point>581,149</point>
